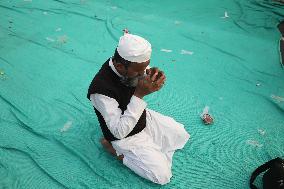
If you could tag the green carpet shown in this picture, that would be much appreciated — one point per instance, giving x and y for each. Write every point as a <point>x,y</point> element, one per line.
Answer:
<point>222,54</point>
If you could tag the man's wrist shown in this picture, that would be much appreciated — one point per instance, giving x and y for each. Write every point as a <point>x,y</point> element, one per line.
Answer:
<point>138,95</point>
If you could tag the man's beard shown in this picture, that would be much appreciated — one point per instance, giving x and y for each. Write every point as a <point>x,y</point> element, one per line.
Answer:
<point>131,82</point>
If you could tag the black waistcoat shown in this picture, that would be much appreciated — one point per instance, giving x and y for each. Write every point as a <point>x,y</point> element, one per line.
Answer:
<point>107,82</point>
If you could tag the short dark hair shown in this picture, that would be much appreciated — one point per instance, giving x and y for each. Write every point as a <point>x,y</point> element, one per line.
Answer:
<point>121,60</point>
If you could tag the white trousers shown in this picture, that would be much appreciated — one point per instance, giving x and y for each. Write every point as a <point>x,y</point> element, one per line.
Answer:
<point>149,153</point>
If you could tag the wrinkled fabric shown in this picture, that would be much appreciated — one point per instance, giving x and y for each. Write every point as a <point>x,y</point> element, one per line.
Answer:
<point>220,54</point>
<point>149,153</point>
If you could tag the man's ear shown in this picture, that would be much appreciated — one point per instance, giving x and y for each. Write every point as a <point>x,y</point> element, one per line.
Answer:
<point>118,66</point>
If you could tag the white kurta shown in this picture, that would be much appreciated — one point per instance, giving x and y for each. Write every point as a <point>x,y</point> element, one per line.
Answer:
<point>148,153</point>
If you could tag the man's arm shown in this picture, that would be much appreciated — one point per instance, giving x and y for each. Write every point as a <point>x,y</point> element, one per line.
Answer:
<point>120,125</point>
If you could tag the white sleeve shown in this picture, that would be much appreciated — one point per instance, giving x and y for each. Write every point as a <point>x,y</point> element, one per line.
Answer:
<point>120,125</point>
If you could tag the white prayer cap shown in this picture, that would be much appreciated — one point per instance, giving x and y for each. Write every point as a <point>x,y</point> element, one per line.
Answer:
<point>134,48</point>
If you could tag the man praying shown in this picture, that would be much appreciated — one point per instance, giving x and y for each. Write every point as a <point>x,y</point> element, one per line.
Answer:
<point>144,140</point>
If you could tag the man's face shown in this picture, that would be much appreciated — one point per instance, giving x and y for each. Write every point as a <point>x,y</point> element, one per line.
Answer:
<point>137,69</point>
<point>133,73</point>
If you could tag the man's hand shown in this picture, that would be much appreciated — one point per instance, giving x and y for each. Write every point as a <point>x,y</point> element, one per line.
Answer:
<point>152,82</point>
<point>154,73</point>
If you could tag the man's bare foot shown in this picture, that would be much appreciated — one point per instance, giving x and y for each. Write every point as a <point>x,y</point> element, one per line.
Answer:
<point>107,145</point>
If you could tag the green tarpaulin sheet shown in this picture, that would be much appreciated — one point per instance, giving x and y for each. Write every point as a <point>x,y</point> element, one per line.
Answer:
<point>219,53</point>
